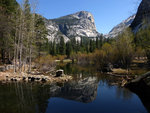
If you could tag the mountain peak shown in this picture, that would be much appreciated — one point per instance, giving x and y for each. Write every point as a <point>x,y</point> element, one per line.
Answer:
<point>83,12</point>
<point>79,24</point>
<point>84,15</point>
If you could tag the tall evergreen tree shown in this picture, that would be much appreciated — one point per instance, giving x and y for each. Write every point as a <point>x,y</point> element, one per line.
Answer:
<point>58,48</point>
<point>97,43</point>
<point>54,48</point>
<point>87,46</point>
<point>7,28</point>
<point>40,35</point>
<point>62,46</point>
<point>91,46</point>
<point>68,49</point>
<point>73,43</point>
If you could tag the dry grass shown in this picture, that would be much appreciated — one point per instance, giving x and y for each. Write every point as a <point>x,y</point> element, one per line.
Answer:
<point>139,61</point>
<point>67,61</point>
<point>120,71</point>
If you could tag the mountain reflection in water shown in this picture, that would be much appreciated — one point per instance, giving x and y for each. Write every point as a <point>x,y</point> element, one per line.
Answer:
<point>84,90</point>
<point>90,93</point>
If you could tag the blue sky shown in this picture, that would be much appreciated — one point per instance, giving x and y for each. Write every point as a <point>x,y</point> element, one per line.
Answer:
<point>107,13</point>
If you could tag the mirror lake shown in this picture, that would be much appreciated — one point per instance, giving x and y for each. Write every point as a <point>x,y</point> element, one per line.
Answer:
<point>88,92</point>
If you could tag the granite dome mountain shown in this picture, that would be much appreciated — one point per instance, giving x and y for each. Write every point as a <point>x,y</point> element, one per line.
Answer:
<point>77,25</point>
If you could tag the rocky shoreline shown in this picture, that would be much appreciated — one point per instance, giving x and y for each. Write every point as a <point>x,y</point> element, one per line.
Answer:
<point>25,77</point>
<point>7,75</point>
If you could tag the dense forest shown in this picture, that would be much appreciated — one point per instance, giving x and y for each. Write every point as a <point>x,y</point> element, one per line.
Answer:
<point>22,31</point>
<point>23,40</point>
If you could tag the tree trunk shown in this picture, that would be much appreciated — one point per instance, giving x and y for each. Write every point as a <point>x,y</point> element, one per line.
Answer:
<point>30,60</point>
<point>3,56</point>
<point>139,82</point>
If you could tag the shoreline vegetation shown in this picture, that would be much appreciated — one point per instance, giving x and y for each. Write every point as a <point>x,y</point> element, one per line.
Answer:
<point>123,76</point>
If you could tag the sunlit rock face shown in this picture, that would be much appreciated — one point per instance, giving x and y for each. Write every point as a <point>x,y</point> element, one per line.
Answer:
<point>54,33</point>
<point>84,90</point>
<point>142,18</point>
<point>80,24</point>
<point>120,27</point>
<point>139,20</point>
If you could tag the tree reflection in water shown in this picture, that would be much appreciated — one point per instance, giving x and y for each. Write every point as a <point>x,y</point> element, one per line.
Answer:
<point>35,97</point>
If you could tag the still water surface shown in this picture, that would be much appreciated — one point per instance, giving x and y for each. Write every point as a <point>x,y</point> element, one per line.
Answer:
<point>90,92</point>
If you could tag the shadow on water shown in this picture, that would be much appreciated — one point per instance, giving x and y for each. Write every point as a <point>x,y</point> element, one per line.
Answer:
<point>143,91</point>
<point>144,95</point>
<point>89,92</point>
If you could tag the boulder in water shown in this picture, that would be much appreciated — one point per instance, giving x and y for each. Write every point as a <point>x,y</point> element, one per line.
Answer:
<point>59,73</point>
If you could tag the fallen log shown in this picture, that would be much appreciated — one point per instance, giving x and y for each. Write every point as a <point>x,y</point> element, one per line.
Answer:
<point>142,77</point>
<point>138,81</point>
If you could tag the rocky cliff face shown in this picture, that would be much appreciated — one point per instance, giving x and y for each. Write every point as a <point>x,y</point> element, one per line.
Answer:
<point>120,27</point>
<point>80,24</point>
<point>140,20</point>
<point>142,16</point>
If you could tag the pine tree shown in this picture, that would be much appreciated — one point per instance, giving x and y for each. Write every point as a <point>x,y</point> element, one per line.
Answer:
<point>73,43</point>
<point>97,42</point>
<point>91,46</point>
<point>62,46</point>
<point>40,35</point>
<point>68,49</point>
<point>7,28</point>
<point>87,46</point>
<point>101,41</point>
<point>57,48</point>
<point>54,48</point>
